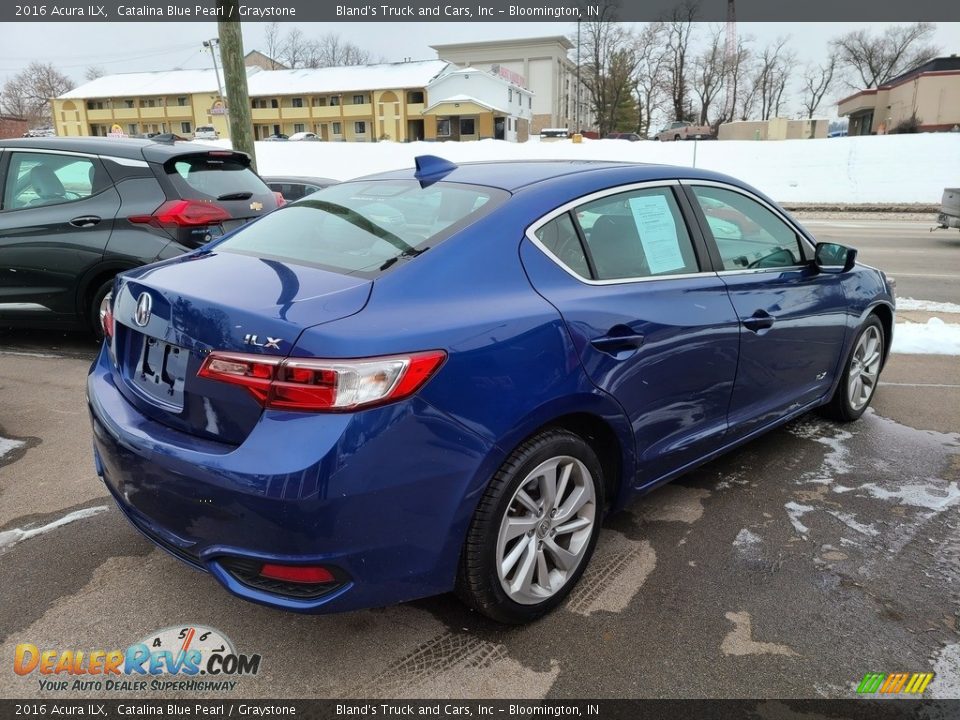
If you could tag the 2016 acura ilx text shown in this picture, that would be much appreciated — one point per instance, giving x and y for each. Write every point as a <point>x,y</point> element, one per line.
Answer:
<point>444,378</point>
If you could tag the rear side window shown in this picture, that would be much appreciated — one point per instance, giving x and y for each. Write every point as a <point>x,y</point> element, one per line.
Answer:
<point>35,179</point>
<point>635,234</point>
<point>207,177</point>
<point>559,236</point>
<point>364,227</point>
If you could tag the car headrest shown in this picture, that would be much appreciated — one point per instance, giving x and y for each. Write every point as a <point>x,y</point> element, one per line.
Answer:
<point>45,182</point>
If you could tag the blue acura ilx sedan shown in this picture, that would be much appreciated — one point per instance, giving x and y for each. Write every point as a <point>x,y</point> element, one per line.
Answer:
<point>443,378</point>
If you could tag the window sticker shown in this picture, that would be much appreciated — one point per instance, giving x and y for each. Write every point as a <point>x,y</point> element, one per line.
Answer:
<point>658,233</point>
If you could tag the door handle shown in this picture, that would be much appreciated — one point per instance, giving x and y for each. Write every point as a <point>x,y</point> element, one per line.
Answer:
<point>617,344</point>
<point>85,221</point>
<point>760,320</point>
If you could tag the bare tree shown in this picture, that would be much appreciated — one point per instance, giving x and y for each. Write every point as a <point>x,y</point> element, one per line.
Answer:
<point>873,60</point>
<point>294,48</point>
<point>710,71</point>
<point>679,32</point>
<point>272,42</point>
<point>737,69</point>
<point>331,50</point>
<point>772,75</point>
<point>817,80</point>
<point>608,64</point>
<point>28,93</point>
<point>648,79</point>
<point>93,72</point>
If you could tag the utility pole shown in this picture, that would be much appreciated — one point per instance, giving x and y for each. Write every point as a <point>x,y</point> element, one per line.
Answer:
<point>235,78</point>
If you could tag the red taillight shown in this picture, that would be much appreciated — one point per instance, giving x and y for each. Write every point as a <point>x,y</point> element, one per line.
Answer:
<point>281,200</point>
<point>106,317</point>
<point>313,385</point>
<point>307,574</point>
<point>184,213</point>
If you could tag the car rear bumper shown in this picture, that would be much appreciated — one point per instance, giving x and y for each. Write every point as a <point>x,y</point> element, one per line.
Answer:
<point>346,491</point>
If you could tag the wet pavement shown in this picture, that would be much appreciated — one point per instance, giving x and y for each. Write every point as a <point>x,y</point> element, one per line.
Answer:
<point>789,568</point>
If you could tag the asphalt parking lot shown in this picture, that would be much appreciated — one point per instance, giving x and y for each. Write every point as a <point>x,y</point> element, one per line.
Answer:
<point>789,568</point>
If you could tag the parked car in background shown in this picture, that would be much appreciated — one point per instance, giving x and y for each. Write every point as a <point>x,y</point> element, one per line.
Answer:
<point>949,215</point>
<point>300,136</point>
<point>631,136</point>
<point>682,130</point>
<point>277,137</point>
<point>205,132</point>
<point>294,187</point>
<point>444,378</point>
<point>77,211</point>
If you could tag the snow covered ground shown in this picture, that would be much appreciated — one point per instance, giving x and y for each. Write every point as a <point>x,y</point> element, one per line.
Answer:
<point>934,337</point>
<point>878,169</point>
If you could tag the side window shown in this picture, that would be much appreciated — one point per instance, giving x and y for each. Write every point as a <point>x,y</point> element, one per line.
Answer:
<point>560,238</point>
<point>637,234</point>
<point>35,179</point>
<point>747,234</point>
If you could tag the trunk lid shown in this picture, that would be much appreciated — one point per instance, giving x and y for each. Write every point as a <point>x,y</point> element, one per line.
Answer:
<point>215,301</point>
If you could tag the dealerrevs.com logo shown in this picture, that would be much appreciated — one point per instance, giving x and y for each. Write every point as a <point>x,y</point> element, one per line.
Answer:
<point>189,658</point>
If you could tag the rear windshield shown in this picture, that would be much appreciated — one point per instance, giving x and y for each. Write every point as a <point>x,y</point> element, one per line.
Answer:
<point>209,177</point>
<point>364,227</point>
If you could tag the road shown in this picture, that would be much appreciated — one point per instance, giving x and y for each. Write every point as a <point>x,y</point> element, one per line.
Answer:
<point>925,264</point>
<point>788,568</point>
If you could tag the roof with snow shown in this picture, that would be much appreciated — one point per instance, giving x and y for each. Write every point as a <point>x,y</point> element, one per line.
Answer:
<point>340,79</point>
<point>263,82</point>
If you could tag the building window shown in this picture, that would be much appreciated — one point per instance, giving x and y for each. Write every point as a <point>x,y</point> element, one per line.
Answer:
<point>337,130</point>
<point>299,127</point>
<point>415,96</point>
<point>529,101</point>
<point>128,103</point>
<point>358,99</point>
<point>149,102</point>
<point>297,102</point>
<point>185,127</point>
<point>94,104</point>
<point>132,129</point>
<point>274,103</point>
<point>510,95</point>
<point>181,101</point>
<point>320,102</point>
<point>467,126</point>
<point>334,100</point>
<point>443,127</point>
<point>360,127</point>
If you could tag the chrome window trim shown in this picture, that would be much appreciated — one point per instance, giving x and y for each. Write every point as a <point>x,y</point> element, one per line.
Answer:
<point>129,162</point>
<point>749,195</point>
<point>582,200</point>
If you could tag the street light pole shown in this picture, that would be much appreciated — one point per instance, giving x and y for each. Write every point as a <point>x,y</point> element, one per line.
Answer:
<point>213,43</point>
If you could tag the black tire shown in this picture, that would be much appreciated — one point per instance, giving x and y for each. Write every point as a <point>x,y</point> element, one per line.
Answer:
<point>478,583</point>
<point>840,407</point>
<point>93,309</point>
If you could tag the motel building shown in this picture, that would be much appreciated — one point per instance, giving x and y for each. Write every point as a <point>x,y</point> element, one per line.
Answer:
<point>407,101</point>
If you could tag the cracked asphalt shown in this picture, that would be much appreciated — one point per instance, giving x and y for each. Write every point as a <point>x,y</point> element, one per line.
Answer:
<point>787,569</point>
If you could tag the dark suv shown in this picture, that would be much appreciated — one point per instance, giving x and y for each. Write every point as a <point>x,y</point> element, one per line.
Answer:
<point>74,212</point>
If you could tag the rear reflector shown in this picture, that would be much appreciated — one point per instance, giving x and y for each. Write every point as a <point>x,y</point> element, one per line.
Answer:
<point>315,385</point>
<point>184,213</point>
<point>308,574</point>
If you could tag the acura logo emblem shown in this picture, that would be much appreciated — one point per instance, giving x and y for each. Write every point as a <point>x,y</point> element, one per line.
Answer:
<point>142,315</point>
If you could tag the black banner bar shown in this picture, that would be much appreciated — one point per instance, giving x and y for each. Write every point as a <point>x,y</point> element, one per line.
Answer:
<point>565,11</point>
<point>858,709</point>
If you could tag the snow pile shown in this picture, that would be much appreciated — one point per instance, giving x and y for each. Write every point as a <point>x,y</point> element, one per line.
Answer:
<point>927,305</point>
<point>877,169</point>
<point>935,337</point>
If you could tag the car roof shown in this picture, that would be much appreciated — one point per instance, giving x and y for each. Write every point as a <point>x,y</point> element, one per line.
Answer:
<point>512,175</point>
<point>131,148</point>
<point>300,179</point>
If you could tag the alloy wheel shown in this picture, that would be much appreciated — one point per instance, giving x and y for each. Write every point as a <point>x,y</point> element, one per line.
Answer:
<point>864,368</point>
<point>546,530</point>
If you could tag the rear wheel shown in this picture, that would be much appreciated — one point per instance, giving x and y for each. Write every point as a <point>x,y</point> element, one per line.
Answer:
<point>93,309</point>
<point>860,375</point>
<point>534,530</point>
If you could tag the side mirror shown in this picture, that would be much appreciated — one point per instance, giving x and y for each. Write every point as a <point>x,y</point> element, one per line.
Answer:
<point>834,258</point>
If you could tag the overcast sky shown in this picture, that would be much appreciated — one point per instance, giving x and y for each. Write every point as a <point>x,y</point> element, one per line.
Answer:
<point>127,47</point>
